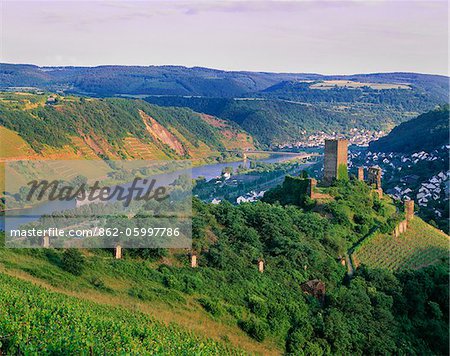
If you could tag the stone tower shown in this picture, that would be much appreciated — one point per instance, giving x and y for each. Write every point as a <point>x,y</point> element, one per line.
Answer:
<point>335,160</point>
<point>260,265</point>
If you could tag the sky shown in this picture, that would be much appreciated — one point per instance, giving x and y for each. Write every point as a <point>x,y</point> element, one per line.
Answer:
<point>327,37</point>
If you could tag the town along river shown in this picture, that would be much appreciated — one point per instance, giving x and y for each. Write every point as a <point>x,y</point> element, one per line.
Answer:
<point>209,172</point>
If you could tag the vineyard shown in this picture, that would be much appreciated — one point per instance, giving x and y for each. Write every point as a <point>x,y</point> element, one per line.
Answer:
<point>421,245</point>
<point>36,321</point>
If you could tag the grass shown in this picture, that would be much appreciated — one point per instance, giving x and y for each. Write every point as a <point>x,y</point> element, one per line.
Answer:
<point>12,145</point>
<point>33,320</point>
<point>421,245</point>
<point>138,287</point>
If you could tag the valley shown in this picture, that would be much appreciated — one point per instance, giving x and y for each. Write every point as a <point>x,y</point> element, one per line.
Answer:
<point>286,262</point>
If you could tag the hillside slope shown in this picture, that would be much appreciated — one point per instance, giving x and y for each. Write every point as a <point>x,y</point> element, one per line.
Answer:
<point>72,127</point>
<point>279,108</point>
<point>197,81</point>
<point>226,297</point>
<point>420,246</point>
<point>424,133</point>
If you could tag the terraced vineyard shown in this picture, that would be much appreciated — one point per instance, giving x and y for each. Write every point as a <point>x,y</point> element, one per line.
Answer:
<point>420,246</point>
<point>36,321</point>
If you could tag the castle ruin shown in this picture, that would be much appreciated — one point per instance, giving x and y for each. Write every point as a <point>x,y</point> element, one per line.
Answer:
<point>311,187</point>
<point>335,160</point>
<point>361,174</point>
<point>374,178</point>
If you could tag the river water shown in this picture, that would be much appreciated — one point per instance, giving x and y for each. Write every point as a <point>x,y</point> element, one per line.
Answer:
<point>209,171</point>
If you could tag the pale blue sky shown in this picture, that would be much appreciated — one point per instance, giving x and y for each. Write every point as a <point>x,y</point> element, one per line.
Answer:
<point>334,37</point>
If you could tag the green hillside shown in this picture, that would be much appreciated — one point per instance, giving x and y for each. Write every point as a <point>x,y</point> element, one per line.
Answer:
<point>114,128</point>
<point>277,119</point>
<point>424,133</point>
<point>420,246</point>
<point>225,298</point>
<point>278,107</point>
<point>34,320</point>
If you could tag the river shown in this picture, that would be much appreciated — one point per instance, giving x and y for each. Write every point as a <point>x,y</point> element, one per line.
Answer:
<point>209,171</point>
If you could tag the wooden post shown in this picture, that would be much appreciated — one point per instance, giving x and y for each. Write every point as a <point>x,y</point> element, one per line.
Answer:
<point>118,252</point>
<point>361,174</point>
<point>409,209</point>
<point>194,260</point>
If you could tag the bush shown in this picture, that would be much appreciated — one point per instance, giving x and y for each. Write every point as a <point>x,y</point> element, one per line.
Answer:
<point>211,306</point>
<point>170,281</point>
<point>73,262</point>
<point>258,306</point>
<point>255,328</point>
<point>97,283</point>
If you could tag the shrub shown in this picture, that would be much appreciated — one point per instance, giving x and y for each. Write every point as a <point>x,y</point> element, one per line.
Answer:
<point>73,261</point>
<point>211,306</point>
<point>258,306</point>
<point>97,283</point>
<point>255,328</point>
<point>170,281</point>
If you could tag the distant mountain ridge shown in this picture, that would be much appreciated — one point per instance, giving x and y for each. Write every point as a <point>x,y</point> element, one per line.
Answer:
<point>177,80</point>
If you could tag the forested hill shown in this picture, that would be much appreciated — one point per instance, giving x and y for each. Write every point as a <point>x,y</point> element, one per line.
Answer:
<point>424,133</point>
<point>374,312</point>
<point>275,108</point>
<point>65,127</point>
<point>178,80</point>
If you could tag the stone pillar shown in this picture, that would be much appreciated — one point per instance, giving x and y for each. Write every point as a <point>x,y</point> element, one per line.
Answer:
<point>260,265</point>
<point>361,174</point>
<point>409,209</point>
<point>396,231</point>
<point>400,228</point>
<point>45,241</point>
<point>194,260</point>
<point>405,225</point>
<point>311,187</point>
<point>380,193</point>
<point>118,252</point>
